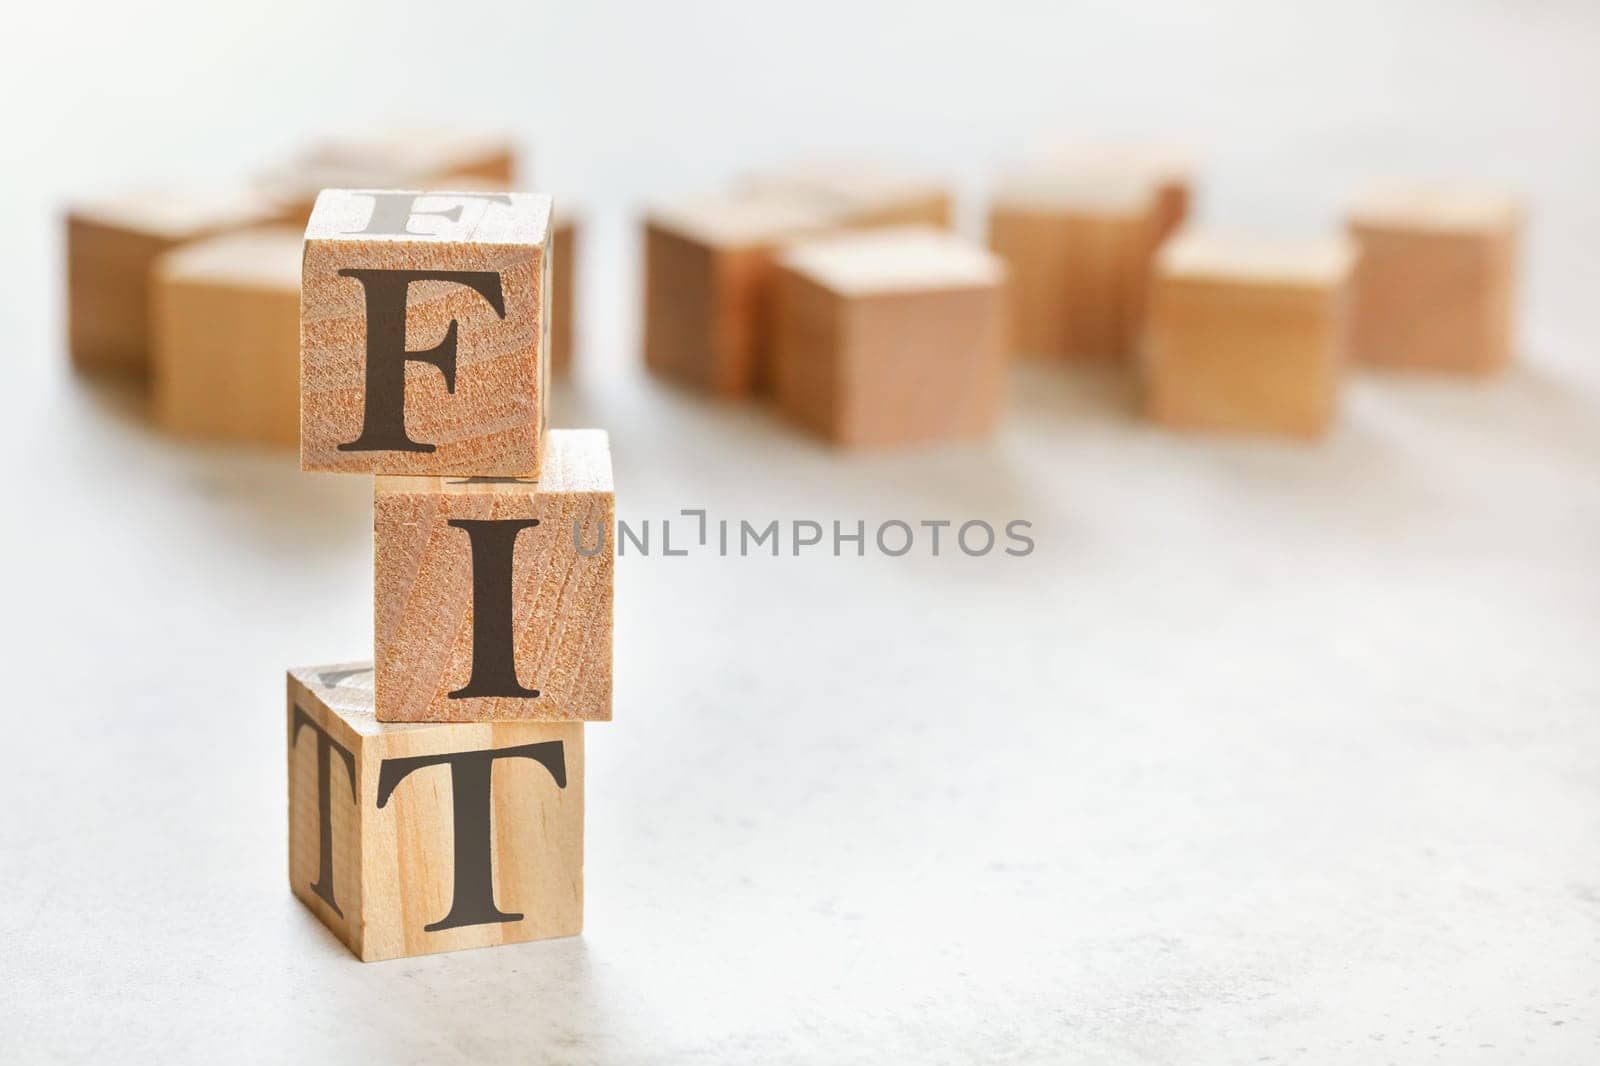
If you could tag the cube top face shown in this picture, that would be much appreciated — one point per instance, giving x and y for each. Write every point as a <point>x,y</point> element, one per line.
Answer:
<point>859,191</point>
<point>424,334</point>
<point>1156,160</point>
<point>1438,209</point>
<point>177,214</point>
<point>735,223</point>
<point>430,216</point>
<point>1104,193</point>
<point>908,259</point>
<point>346,689</point>
<point>266,258</point>
<point>1243,260</point>
<point>411,839</point>
<point>493,596</point>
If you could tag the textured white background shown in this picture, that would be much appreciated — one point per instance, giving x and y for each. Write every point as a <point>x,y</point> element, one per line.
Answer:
<point>1268,754</point>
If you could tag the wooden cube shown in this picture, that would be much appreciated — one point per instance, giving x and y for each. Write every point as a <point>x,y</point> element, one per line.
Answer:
<point>1079,249</point>
<point>225,329</point>
<point>891,336</point>
<point>563,301</point>
<point>411,839</point>
<point>493,595</point>
<point>860,193</point>
<point>423,333</point>
<point>393,159</point>
<point>708,273</point>
<point>1435,281</point>
<point>111,246</point>
<point>1168,168</point>
<point>1247,335</point>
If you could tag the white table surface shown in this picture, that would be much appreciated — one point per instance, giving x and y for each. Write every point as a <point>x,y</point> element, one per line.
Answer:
<point>1269,753</point>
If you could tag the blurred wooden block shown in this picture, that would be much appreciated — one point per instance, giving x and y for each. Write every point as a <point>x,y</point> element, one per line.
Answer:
<point>225,327</point>
<point>111,246</point>
<point>708,271</point>
<point>890,336</point>
<point>1168,168</point>
<point>423,152</point>
<point>486,607</point>
<point>393,159</point>
<point>1079,248</point>
<point>411,839</point>
<point>1435,282</point>
<point>423,344</point>
<point>563,300</point>
<point>1247,336</point>
<point>860,193</point>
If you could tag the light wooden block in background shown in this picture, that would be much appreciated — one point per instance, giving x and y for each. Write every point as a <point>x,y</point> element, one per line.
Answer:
<point>563,297</point>
<point>890,336</point>
<point>1247,335</point>
<point>860,193</point>
<point>1435,282</point>
<point>1080,249</point>
<point>411,839</point>
<point>708,273</point>
<point>1168,168</point>
<point>394,159</point>
<point>423,337</point>
<point>225,337</point>
<point>111,246</point>
<point>485,606</point>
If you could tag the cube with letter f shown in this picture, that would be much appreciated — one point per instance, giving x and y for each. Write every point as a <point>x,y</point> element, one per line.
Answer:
<point>423,333</point>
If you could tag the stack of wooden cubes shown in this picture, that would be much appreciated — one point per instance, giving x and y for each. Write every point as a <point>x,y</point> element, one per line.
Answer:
<point>436,794</point>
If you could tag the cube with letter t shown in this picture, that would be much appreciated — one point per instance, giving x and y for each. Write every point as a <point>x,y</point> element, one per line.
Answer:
<point>411,839</point>
<point>423,333</point>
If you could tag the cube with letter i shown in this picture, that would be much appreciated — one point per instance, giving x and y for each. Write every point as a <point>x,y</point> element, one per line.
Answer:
<point>493,594</point>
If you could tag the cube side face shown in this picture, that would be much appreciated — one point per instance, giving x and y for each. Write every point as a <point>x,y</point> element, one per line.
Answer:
<point>108,295</point>
<point>478,840</point>
<point>223,360</point>
<point>388,326</point>
<point>1078,280</point>
<point>1173,196</point>
<point>806,353</point>
<point>1106,265</point>
<point>325,783</point>
<point>679,307</point>
<point>1434,300</point>
<point>445,624</point>
<point>563,266</point>
<point>924,209</point>
<point>1243,357</point>
<point>742,311</point>
<point>1035,248</point>
<point>1143,242</point>
<point>922,366</point>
